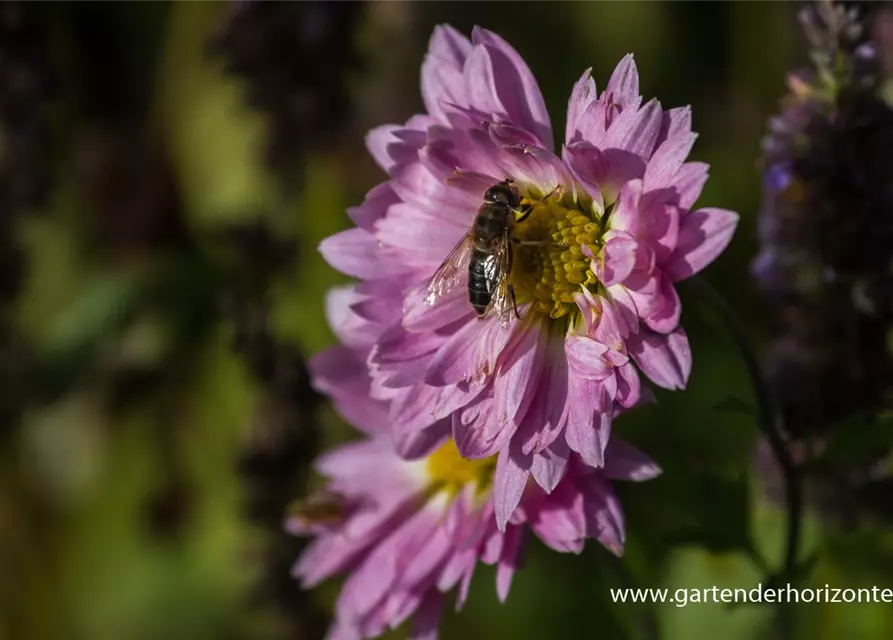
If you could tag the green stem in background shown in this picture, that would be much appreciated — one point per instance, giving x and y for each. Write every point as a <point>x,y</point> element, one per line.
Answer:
<point>767,421</point>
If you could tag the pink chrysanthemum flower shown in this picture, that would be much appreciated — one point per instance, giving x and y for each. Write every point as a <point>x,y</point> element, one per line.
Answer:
<point>608,228</point>
<point>407,532</point>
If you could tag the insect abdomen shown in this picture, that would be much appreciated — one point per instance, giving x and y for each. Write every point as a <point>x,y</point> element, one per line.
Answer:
<point>480,280</point>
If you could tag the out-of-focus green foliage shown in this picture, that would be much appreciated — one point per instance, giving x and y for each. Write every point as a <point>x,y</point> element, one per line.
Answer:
<point>84,555</point>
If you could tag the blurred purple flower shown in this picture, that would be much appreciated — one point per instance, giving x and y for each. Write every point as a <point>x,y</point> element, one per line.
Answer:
<point>609,234</point>
<point>407,532</point>
<point>825,230</point>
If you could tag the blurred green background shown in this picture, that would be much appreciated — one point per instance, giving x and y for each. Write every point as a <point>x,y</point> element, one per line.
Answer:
<point>138,422</point>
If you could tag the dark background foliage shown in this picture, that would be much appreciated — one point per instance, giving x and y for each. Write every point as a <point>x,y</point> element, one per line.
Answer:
<point>166,172</point>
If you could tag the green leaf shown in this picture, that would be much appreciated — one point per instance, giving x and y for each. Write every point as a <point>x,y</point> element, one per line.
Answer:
<point>735,405</point>
<point>715,516</point>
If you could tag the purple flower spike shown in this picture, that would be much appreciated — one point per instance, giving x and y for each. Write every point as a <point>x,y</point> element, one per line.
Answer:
<point>408,532</point>
<point>601,233</point>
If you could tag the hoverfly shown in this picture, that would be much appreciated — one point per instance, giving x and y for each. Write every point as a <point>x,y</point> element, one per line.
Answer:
<point>322,510</point>
<point>487,251</point>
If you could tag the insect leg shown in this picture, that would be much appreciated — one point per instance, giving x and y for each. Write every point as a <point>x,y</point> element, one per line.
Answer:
<point>534,243</point>
<point>525,210</point>
<point>557,189</point>
<point>514,302</point>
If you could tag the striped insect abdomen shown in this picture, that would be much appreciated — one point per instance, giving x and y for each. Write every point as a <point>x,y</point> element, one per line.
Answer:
<point>483,276</point>
<point>482,279</point>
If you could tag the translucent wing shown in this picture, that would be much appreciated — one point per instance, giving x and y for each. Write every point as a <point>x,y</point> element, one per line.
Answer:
<point>318,512</point>
<point>450,273</point>
<point>502,301</point>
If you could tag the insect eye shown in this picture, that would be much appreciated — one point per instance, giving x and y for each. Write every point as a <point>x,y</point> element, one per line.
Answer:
<point>494,195</point>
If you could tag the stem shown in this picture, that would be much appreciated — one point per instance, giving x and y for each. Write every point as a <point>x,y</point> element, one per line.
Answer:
<point>766,420</point>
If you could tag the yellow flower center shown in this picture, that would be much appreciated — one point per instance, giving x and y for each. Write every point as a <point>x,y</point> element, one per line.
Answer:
<point>548,261</point>
<point>449,471</point>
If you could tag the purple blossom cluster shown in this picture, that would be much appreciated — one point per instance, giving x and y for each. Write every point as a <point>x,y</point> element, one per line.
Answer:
<point>825,228</point>
<point>479,428</point>
<point>825,234</point>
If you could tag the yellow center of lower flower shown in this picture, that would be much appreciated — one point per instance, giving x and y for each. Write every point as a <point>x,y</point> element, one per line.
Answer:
<point>448,470</point>
<point>549,264</point>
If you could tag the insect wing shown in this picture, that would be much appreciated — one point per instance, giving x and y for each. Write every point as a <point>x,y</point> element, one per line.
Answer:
<point>450,273</point>
<point>502,303</point>
<point>318,513</point>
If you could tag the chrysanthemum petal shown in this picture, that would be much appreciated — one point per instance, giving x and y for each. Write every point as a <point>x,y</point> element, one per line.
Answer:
<point>469,354</point>
<point>629,387</point>
<point>352,329</point>
<point>689,181</point>
<point>371,582</point>
<point>625,462</point>
<point>464,586</point>
<point>427,617</point>
<point>396,344</point>
<point>449,45</point>
<point>518,90</point>
<point>589,423</point>
<point>625,307</point>
<point>492,548</point>
<point>406,233</point>
<point>667,160</point>
<point>677,122</point>
<point>415,444</point>
<point>375,302</point>
<point>374,207</point>
<point>428,558</point>
<point>442,82</point>
<point>512,472</point>
<point>609,332</point>
<point>545,419</point>
<point>535,166</point>
<point>583,94</point>
<point>416,185</point>
<point>603,171</point>
<point>392,144</point>
<point>476,431</point>
<point>703,235</point>
<point>508,561</point>
<point>665,359</point>
<point>519,372</point>
<point>348,464</point>
<point>420,316</point>
<point>338,373</point>
<point>636,131</point>
<point>625,216</point>
<point>586,358</point>
<point>604,515</point>
<point>659,222</point>
<point>549,465</point>
<point>464,160</point>
<point>623,86</point>
<point>559,520</point>
<point>351,251</point>
<point>419,406</point>
<point>480,82</point>
<point>655,300</point>
<point>377,141</point>
<point>663,315</point>
<point>466,554</point>
<point>617,259</point>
